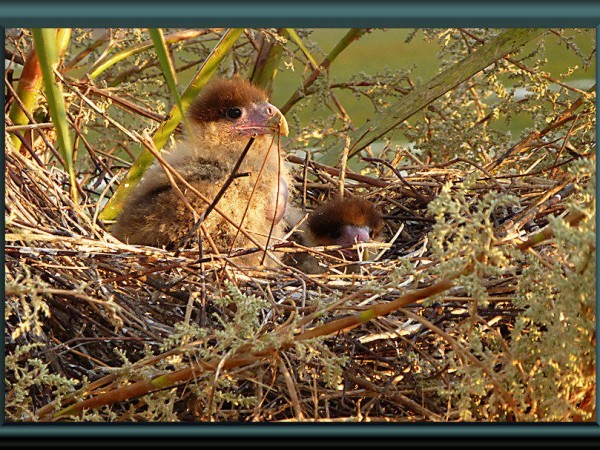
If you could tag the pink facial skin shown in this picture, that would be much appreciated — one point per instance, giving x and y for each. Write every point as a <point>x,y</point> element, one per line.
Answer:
<point>351,235</point>
<point>260,119</point>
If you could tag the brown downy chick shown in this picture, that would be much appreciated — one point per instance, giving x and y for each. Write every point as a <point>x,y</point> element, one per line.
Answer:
<point>343,222</point>
<point>222,119</point>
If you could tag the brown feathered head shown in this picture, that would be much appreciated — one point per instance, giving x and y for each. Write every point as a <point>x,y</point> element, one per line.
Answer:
<point>345,222</point>
<point>241,105</point>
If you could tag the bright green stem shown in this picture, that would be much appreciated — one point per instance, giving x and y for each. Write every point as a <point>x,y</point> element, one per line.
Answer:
<point>160,47</point>
<point>352,35</point>
<point>47,51</point>
<point>294,37</point>
<point>209,67</point>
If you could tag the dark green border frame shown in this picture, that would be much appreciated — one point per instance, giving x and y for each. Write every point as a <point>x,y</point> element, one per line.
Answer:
<point>306,13</point>
<point>293,13</point>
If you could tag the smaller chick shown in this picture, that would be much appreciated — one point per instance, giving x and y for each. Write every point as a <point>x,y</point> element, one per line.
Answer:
<point>343,222</point>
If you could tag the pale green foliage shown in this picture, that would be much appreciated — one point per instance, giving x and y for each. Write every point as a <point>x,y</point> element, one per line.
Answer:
<point>463,235</point>
<point>240,330</point>
<point>320,362</point>
<point>25,300</point>
<point>161,406</point>
<point>183,333</point>
<point>477,113</point>
<point>548,368</point>
<point>30,375</point>
<point>554,340</point>
<point>246,322</point>
<point>403,269</point>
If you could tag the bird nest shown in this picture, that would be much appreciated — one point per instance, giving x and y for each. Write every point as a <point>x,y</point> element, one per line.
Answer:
<point>98,330</point>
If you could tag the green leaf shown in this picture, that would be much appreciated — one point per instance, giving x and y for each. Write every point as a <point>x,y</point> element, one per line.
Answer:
<point>47,51</point>
<point>168,70</point>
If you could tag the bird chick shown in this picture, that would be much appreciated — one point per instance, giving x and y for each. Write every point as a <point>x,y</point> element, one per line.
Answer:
<point>344,222</point>
<point>221,121</point>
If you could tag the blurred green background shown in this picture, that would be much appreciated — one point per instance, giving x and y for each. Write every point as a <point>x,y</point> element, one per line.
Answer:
<point>387,47</point>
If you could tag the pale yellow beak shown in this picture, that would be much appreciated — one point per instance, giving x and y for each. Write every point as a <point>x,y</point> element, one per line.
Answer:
<point>279,122</point>
<point>263,118</point>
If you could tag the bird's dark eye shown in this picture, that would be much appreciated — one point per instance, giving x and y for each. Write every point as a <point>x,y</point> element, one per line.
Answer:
<point>233,113</point>
<point>335,233</point>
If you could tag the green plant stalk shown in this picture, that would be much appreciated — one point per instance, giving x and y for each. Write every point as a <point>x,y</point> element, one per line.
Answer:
<point>294,37</point>
<point>47,51</point>
<point>160,47</point>
<point>267,63</point>
<point>209,67</point>
<point>30,83</point>
<point>352,35</point>
<point>507,42</point>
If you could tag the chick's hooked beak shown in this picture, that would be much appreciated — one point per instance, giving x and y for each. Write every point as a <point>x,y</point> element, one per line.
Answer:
<point>263,118</point>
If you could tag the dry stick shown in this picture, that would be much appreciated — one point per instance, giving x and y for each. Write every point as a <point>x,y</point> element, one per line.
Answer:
<point>572,219</point>
<point>289,382</point>
<point>591,154</point>
<point>421,198</point>
<point>43,170</point>
<point>544,202</point>
<point>29,127</point>
<point>336,172</point>
<point>86,51</point>
<point>343,163</point>
<point>396,397</point>
<point>28,147</point>
<point>336,326</point>
<point>474,164</point>
<point>120,101</point>
<point>262,261</point>
<point>330,181</point>
<point>562,147</point>
<point>304,179</point>
<point>100,165</point>
<point>13,57</point>
<point>459,349</point>
<point>72,87</point>
<point>239,227</point>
